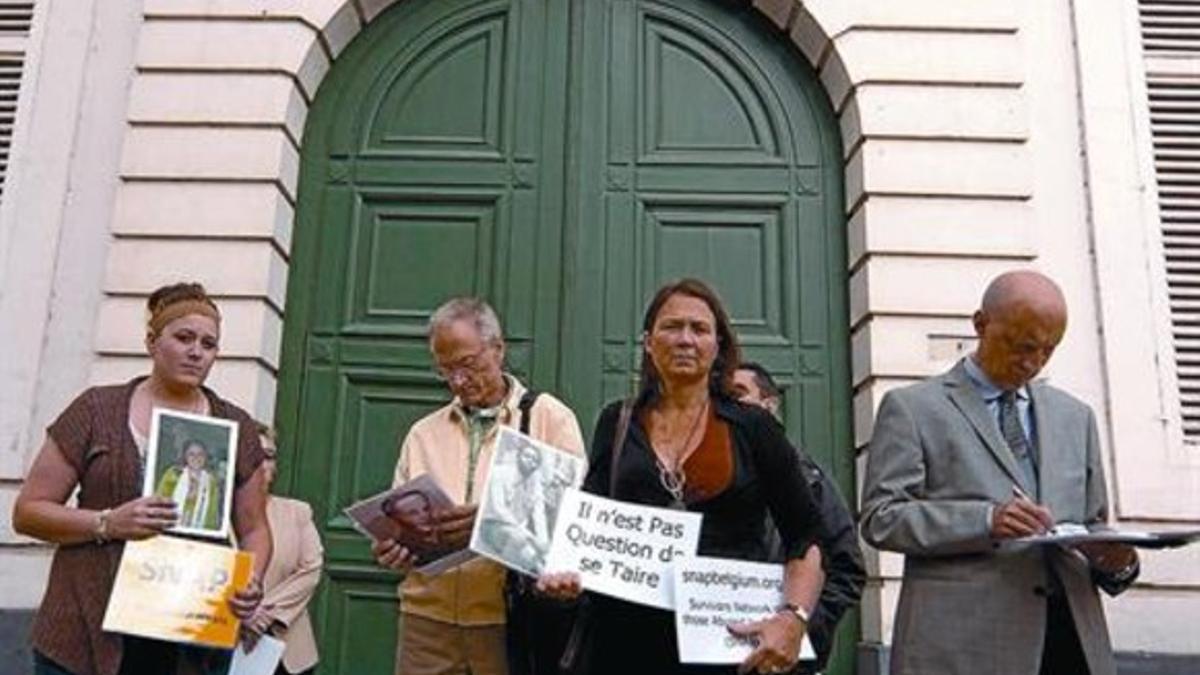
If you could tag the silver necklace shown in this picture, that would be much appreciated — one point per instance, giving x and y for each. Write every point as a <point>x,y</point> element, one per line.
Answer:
<point>672,478</point>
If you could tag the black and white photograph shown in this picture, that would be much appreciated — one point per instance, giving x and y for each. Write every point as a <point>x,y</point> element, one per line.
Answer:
<point>525,485</point>
<point>190,460</point>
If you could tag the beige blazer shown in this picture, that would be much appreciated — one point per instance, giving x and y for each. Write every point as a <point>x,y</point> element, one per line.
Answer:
<point>292,577</point>
<point>936,466</point>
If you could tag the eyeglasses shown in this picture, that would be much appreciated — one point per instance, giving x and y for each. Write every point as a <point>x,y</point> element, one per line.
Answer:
<point>463,367</point>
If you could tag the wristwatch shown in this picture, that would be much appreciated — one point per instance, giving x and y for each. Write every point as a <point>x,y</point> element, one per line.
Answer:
<point>795,610</point>
<point>1125,573</point>
<point>100,534</point>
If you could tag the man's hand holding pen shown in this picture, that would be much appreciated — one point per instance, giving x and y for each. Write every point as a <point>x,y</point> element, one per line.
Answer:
<point>1020,517</point>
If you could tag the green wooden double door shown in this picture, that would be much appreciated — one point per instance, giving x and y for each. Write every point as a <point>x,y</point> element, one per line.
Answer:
<point>561,158</point>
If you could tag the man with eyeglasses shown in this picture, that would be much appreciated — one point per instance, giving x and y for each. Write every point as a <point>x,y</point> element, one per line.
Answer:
<point>454,622</point>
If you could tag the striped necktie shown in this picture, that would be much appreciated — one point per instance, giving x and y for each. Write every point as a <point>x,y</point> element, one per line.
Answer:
<point>1014,435</point>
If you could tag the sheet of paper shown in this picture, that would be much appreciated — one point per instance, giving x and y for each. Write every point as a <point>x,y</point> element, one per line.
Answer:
<point>623,550</point>
<point>1068,534</point>
<point>263,660</point>
<point>711,593</point>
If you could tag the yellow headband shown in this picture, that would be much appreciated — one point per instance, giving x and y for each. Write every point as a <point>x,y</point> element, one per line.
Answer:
<point>165,315</point>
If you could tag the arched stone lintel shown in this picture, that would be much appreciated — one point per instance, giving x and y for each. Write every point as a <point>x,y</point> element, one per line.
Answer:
<point>807,31</point>
<point>333,24</point>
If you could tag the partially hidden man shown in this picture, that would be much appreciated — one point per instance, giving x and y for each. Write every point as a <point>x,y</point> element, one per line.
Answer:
<point>836,530</point>
<point>454,622</point>
<point>966,461</point>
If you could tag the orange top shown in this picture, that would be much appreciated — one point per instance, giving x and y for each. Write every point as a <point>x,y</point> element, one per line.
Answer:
<point>709,469</point>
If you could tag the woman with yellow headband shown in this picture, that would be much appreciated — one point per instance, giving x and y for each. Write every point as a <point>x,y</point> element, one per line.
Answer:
<point>98,445</point>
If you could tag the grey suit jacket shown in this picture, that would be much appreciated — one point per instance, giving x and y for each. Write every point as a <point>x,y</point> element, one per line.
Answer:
<point>937,466</point>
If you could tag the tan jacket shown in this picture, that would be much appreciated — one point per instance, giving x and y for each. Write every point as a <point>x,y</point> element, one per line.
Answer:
<point>292,577</point>
<point>437,444</point>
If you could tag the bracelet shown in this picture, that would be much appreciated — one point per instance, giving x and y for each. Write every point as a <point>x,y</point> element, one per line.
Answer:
<point>100,534</point>
<point>795,610</point>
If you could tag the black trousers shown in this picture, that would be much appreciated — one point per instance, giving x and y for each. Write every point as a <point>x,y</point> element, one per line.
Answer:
<point>1062,653</point>
<point>142,656</point>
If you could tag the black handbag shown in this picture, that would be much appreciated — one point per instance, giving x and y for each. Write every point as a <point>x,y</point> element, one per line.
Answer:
<point>537,628</point>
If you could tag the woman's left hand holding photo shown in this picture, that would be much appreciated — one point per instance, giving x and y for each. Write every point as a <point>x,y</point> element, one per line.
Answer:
<point>140,518</point>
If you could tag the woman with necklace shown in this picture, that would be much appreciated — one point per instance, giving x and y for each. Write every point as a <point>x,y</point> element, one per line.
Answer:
<point>98,445</point>
<point>690,445</point>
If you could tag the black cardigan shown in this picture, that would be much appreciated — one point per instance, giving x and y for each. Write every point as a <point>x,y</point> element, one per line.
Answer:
<point>767,476</point>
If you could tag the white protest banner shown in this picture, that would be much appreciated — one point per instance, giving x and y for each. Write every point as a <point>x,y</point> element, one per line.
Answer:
<point>711,593</point>
<point>620,549</point>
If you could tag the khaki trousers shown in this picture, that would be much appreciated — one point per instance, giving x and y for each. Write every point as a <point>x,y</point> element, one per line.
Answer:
<point>429,647</point>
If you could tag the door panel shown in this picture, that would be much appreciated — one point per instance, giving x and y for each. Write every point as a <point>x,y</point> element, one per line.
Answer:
<point>425,161</point>
<point>698,104</point>
<point>718,159</point>
<point>420,113</point>
<point>353,640</point>
<point>562,159</point>
<point>392,245</point>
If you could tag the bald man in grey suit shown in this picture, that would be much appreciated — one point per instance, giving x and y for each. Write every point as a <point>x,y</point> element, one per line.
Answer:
<point>964,462</point>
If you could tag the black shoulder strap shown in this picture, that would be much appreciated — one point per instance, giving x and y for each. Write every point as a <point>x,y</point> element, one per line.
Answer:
<point>619,443</point>
<point>526,406</point>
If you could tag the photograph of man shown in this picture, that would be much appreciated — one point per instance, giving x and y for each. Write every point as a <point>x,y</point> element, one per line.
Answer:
<point>454,622</point>
<point>411,514</point>
<point>194,487</point>
<point>513,523</point>
<point>836,532</point>
<point>408,510</point>
<point>966,461</point>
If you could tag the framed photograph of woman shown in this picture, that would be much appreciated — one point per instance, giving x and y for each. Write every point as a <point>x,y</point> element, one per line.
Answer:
<point>190,460</point>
